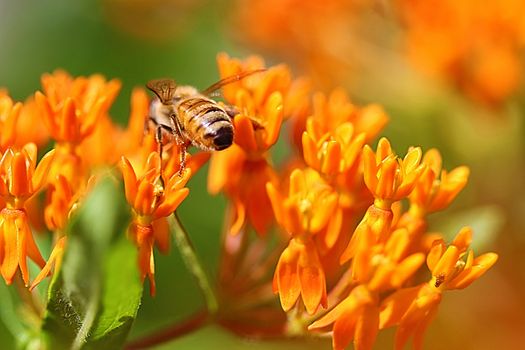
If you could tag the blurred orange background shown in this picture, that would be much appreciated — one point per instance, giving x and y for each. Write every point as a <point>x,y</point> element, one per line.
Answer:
<point>449,73</point>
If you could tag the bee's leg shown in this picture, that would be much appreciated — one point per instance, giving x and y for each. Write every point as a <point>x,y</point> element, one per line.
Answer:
<point>158,139</point>
<point>230,110</point>
<point>183,146</point>
<point>182,159</point>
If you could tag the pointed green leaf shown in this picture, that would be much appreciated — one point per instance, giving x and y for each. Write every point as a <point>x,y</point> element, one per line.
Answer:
<point>94,298</point>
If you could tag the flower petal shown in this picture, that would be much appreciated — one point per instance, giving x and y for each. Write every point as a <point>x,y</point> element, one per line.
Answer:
<point>312,278</point>
<point>286,278</point>
<point>367,328</point>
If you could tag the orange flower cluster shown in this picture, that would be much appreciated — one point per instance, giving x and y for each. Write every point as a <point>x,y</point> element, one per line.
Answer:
<point>477,48</point>
<point>75,118</point>
<point>348,252</point>
<point>243,170</point>
<point>340,228</point>
<point>320,37</point>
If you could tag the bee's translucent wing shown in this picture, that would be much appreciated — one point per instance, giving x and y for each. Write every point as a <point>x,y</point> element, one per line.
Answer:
<point>163,88</point>
<point>228,80</point>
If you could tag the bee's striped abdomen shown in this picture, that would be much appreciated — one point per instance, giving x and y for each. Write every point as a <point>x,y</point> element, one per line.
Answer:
<point>206,123</point>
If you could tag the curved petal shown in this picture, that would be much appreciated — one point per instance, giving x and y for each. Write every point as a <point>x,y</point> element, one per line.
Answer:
<point>480,265</point>
<point>170,204</point>
<point>367,328</point>
<point>312,278</point>
<point>41,171</point>
<point>130,180</point>
<point>286,279</point>
<point>10,259</point>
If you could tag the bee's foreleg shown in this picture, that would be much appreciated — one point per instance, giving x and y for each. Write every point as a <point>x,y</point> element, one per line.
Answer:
<point>158,139</point>
<point>182,159</point>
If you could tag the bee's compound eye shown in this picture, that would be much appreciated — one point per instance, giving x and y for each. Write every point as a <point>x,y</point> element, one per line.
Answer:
<point>223,139</point>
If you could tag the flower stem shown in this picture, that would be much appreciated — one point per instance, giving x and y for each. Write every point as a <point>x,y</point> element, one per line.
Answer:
<point>31,300</point>
<point>192,262</point>
<point>173,332</point>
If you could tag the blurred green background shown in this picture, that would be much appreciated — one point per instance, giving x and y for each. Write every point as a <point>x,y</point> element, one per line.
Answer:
<point>180,39</point>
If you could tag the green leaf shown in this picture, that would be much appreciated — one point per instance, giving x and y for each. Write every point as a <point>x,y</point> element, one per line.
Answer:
<point>94,298</point>
<point>11,318</point>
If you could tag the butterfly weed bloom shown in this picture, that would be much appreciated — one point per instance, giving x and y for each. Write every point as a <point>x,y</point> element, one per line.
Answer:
<point>382,267</point>
<point>318,37</point>
<point>436,188</point>
<point>389,179</point>
<point>73,109</point>
<point>151,201</point>
<point>9,114</point>
<point>242,170</point>
<point>20,179</point>
<point>452,267</point>
<point>303,213</point>
<point>342,229</point>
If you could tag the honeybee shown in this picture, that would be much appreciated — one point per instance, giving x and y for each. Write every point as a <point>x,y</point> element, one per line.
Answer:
<point>190,117</point>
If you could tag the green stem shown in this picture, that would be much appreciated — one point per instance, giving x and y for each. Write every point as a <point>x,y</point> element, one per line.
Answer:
<point>192,262</point>
<point>31,300</point>
<point>176,331</point>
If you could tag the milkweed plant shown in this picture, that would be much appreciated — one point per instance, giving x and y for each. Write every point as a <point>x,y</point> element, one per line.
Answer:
<point>332,242</point>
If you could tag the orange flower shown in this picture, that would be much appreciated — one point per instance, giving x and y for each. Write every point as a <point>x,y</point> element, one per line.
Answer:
<point>303,213</point>
<point>387,266</point>
<point>299,273</point>
<point>30,127</point>
<point>335,109</point>
<point>131,140</point>
<point>433,193</point>
<point>72,108</point>
<point>356,317</point>
<point>9,113</point>
<point>413,309</point>
<point>86,92</point>
<point>381,267</point>
<point>331,153</point>
<point>388,177</point>
<point>60,198</point>
<point>374,228</point>
<point>309,206</point>
<point>66,122</point>
<point>243,169</point>
<point>448,267</point>
<point>452,267</point>
<point>151,201</point>
<point>20,179</point>
<point>319,37</point>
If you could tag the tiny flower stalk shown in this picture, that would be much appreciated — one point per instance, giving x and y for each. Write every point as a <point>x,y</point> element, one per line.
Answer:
<point>193,263</point>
